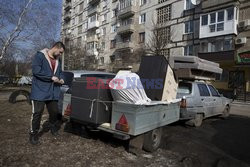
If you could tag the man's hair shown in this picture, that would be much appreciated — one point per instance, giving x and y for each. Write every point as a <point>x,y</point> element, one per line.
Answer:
<point>59,44</point>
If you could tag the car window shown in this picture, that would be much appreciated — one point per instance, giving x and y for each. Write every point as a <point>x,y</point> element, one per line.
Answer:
<point>213,91</point>
<point>203,90</point>
<point>184,88</point>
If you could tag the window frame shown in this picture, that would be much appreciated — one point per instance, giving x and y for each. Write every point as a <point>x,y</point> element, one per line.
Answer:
<point>214,91</point>
<point>142,18</point>
<point>202,91</point>
<point>190,27</point>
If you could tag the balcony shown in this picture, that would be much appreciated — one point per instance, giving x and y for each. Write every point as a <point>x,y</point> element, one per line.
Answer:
<point>126,29</point>
<point>218,56</point>
<point>120,46</point>
<point>92,52</point>
<point>224,27</point>
<point>67,17</point>
<point>127,12</point>
<point>94,24</point>
<point>93,10</point>
<point>67,7</point>
<point>92,38</point>
<point>92,2</point>
<point>206,4</point>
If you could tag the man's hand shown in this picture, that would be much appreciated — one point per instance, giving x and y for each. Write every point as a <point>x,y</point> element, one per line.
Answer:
<point>55,79</point>
<point>61,81</point>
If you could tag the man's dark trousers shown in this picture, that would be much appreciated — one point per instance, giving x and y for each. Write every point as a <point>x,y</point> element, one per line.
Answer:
<point>37,112</point>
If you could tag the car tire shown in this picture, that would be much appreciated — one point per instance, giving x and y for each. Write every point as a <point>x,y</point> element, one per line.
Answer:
<point>196,121</point>
<point>226,112</point>
<point>152,140</point>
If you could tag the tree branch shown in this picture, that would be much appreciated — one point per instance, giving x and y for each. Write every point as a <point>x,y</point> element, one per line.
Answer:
<point>17,30</point>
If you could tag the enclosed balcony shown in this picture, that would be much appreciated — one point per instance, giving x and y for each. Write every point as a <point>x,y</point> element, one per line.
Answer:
<point>208,5</point>
<point>92,10</point>
<point>127,12</point>
<point>67,17</point>
<point>120,46</point>
<point>92,38</point>
<point>94,24</point>
<point>126,26</point>
<point>92,2</point>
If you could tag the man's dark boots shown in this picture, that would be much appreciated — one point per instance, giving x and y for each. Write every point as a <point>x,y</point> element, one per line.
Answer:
<point>54,130</point>
<point>34,139</point>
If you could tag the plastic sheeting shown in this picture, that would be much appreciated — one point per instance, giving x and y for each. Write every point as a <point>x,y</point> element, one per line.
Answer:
<point>127,87</point>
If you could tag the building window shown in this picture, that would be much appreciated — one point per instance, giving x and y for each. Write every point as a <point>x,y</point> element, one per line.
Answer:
<point>90,46</point>
<point>79,41</point>
<point>126,38</point>
<point>189,27</point>
<point>228,44</point>
<point>142,18</point>
<point>142,37</point>
<point>81,7</point>
<point>220,27</point>
<point>220,16</point>
<point>217,24</point>
<point>126,22</point>
<point>188,4</point>
<point>93,18</point>
<point>164,34</point>
<point>104,19</point>
<point>80,18</point>
<point>143,2</point>
<point>188,50</point>
<point>112,44</point>
<point>230,14</point>
<point>204,20</point>
<point>103,46</point>
<point>212,18</point>
<point>113,28</point>
<point>161,1</point>
<point>73,21</point>
<point>104,31</point>
<point>218,45</point>
<point>125,3</point>
<point>80,29</point>
<point>164,14</point>
<point>114,12</point>
<point>101,60</point>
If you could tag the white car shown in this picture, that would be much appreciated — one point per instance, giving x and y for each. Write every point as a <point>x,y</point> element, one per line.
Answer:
<point>25,80</point>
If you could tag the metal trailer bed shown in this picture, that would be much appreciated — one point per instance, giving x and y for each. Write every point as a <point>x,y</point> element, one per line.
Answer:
<point>138,120</point>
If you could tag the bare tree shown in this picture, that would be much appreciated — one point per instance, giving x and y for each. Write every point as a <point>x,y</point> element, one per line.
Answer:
<point>25,27</point>
<point>30,23</point>
<point>159,39</point>
<point>16,31</point>
<point>127,60</point>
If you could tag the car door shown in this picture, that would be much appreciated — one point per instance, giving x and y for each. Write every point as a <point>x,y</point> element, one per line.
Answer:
<point>205,99</point>
<point>217,100</point>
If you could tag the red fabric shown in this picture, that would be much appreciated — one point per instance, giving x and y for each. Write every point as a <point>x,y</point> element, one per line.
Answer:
<point>53,63</point>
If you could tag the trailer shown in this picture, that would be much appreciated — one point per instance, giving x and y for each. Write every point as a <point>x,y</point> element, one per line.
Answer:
<point>143,122</point>
<point>140,124</point>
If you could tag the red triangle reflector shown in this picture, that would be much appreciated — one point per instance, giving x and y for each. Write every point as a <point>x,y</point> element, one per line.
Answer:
<point>123,120</point>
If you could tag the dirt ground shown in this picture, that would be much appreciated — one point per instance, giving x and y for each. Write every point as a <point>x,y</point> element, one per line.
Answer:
<point>181,146</point>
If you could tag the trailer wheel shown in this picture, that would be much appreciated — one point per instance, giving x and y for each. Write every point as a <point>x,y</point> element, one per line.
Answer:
<point>152,140</point>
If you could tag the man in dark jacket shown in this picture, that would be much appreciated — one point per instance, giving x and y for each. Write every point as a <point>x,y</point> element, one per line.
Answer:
<point>46,82</point>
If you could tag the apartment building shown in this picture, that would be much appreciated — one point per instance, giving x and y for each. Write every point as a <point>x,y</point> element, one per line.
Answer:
<point>224,38</point>
<point>112,30</point>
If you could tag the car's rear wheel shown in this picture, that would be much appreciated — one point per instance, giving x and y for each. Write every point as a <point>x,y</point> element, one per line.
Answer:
<point>196,121</point>
<point>226,111</point>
